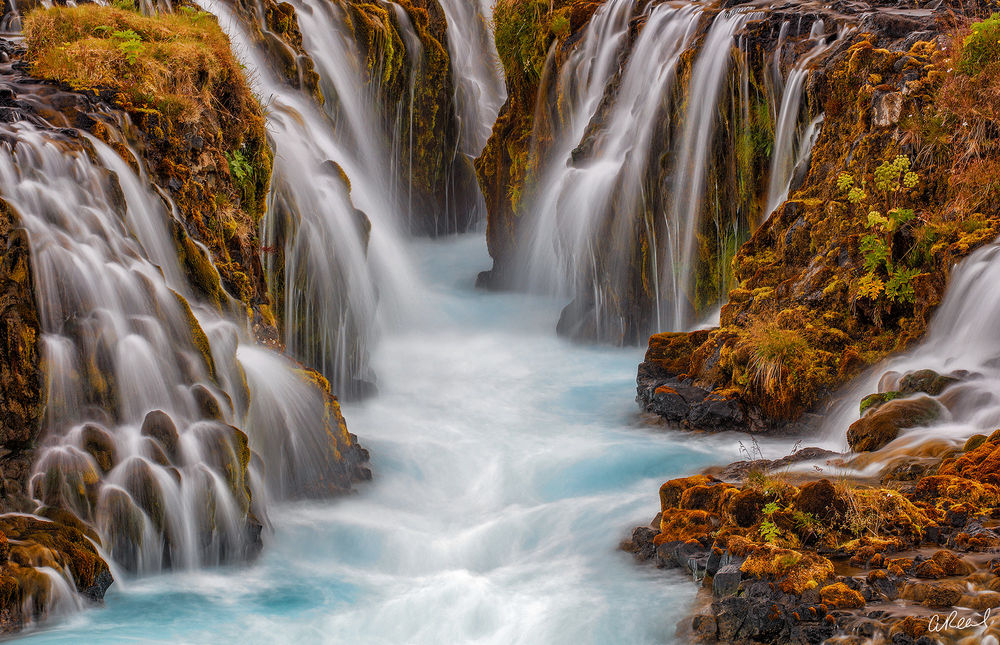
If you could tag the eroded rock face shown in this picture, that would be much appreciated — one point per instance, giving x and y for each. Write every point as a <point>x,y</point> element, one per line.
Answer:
<point>21,379</point>
<point>796,326</point>
<point>27,545</point>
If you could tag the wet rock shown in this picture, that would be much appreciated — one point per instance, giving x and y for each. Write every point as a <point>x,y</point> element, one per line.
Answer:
<point>739,469</point>
<point>159,426</point>
<point>704,627</point>
<point>207,404</point>
<point>926,381</point>
<point>873,401</point>
<point>726,581</point>
<point>887,109</point>
<point>878,428</point>
<point>641,545</point>
<point>974,442</point>
<point>100,445</point>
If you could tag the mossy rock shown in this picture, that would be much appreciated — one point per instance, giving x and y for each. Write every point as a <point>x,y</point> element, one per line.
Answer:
<point>877,429</point>
<point>873,401</point>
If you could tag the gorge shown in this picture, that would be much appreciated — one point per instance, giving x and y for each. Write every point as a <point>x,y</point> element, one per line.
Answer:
<point>324,321</point>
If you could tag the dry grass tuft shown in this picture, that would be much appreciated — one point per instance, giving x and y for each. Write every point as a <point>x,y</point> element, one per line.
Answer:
<point>180,63</point>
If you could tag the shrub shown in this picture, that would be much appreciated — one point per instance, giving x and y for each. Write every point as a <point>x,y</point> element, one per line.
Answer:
<point>981,47</point>
<point>884,278</point>
<point>775,352</point>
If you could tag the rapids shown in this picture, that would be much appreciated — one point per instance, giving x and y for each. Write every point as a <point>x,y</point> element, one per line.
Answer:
<point>507,462</point>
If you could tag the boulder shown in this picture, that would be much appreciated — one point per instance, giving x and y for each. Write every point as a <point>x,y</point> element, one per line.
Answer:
<point>881,426</point>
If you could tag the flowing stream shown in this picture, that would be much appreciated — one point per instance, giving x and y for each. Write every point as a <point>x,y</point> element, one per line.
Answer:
<point>508,468</point>
<point>509,463</point>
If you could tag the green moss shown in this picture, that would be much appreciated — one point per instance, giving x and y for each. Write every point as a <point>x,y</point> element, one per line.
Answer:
<point>524,31</point>
<point>982,46</point>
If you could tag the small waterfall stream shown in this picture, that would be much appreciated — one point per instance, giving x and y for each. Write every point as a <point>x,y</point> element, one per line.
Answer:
<point>615,178</point>
<point>688,186</point>
<point>480,86</point>
<point>793,138</point>
<point>962,340</point>
<point>334,204</point>
<point>145,385</point>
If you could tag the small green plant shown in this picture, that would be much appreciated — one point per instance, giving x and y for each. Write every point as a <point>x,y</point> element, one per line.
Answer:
<point>885,279</point>
<point>804,520</point>
<point>981,47</point>
<point>768,529</point>
<point>239,166</point>
<point>130,43</point>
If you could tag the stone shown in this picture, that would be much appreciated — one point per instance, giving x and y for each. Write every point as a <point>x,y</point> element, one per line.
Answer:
<point>877,429</point>
<point>726,581</point>
<point>840,596</point>
<point>159,426</point>
<point>886,109</point>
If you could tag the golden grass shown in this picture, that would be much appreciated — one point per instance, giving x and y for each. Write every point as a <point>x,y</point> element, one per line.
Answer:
<point>180,63</point>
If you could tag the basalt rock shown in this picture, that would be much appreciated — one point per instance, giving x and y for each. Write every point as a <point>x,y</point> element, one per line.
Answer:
<point>770,550</point>
<point>882,425</point>
<point>27,545</point>
<point>420,110</point>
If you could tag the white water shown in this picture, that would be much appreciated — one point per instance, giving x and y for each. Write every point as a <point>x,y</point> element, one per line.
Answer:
<point>683,219</point>
<point>963,336</point>
<point>581,83</point>
<point>479,84</point>
<point>342,286</point>
<point>568,227</point>
<point>118,346</point>
<point>794,137</point>
<point>508,468</point>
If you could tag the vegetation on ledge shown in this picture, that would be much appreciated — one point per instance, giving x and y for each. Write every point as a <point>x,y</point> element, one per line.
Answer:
<point>525,32</point>
<point>199,127</point>
<point>902,184</point>
<point>795,557</point>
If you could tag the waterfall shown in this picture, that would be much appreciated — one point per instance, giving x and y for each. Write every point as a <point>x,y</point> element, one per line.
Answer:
<point>962,340</point>
<point>683,218</point>
<point>793,139</point>
<point>479,84</point>
<point>148,436</point>
<point>335,245</point>
<point>581,83</point>
<point>611,184</point>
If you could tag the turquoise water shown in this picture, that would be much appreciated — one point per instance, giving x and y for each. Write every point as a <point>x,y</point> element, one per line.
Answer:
<point>508,466</point>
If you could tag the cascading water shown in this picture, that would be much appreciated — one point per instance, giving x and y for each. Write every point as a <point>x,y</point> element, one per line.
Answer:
<point>479,85</point>
<point>582,82</point>
<point>335,249</point>
<point>793,139</point>
<point>962,341</point>
<point>684,217</point>
<point>144,389</point>
<point>614,180</point>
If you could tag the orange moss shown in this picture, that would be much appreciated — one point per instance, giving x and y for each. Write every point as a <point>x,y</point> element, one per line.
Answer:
<point>840,596</point>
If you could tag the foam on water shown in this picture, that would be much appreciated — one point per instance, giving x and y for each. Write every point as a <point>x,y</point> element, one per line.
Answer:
<point>508,466</point>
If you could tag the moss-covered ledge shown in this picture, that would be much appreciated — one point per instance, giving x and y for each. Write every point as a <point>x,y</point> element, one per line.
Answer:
<point>851,268</point>
<point>193,119</point>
